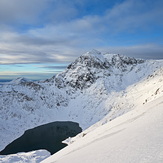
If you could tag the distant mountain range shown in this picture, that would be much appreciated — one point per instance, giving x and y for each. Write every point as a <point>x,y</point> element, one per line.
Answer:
<point>5,80</point>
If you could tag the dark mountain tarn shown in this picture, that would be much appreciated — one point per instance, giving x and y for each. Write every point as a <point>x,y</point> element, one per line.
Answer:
<point>48,136</point>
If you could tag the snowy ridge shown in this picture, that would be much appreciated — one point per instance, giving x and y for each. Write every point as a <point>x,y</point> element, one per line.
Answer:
<point>19,80</point>
<point>94,86</point>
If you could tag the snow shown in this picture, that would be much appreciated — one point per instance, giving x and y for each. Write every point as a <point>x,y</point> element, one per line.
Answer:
<point>18,80</point>
<point>94,54</point>
<point>133,137</point>
<point>32,157</point>
<point>94,90</point>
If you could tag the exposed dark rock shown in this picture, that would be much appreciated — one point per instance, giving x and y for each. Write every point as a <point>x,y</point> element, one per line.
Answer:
<point>85,70</point>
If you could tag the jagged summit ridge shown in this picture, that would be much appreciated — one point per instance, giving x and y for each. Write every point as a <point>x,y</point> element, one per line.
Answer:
<point>96,59</point>
<point>93,51</point>
<point>89,67</point>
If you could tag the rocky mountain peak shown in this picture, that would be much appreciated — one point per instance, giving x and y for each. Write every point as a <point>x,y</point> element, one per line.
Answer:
<point>95,59</point>
<point>92,65</point>
<point>90,59</point>
<point>94,52</point>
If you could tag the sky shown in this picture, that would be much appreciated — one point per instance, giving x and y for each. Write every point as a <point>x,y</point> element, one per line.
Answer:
<point>39,38</point>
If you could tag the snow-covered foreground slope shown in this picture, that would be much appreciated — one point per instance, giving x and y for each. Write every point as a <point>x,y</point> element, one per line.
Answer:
<point>136,137</point>
<point>30,157</point>
<point>94,86</point>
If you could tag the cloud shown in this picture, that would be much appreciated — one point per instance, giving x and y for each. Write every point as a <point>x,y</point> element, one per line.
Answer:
<point>146,51</point>
<point>59,32</point>
<point>58,67</point>
<point>131,15</point>
<point>29,75</point>
<point>62,11</point>
<point>21,11</point>
<point>36,12</point>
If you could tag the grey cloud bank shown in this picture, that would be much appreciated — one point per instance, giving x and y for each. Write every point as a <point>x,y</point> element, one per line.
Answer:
<point>37,31</point>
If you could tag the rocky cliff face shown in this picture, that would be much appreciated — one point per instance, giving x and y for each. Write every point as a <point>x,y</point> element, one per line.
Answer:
<point>86,69</point>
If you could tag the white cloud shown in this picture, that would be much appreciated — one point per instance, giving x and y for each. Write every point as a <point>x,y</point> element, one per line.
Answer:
<point>145,51</point>
<point>134,15</point>
<point>67,36</point>
<point>21,11</point>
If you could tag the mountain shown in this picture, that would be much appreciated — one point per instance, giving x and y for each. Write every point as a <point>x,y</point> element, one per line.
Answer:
<point>133,137</point>
<point>94,88</point>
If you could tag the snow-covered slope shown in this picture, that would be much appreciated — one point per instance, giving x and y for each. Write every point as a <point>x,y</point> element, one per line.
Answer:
<point>29,157</point>
<point>133,137</point>
<point>94,86</point>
